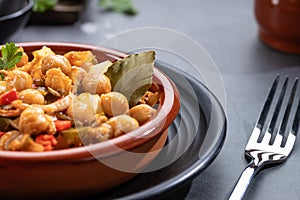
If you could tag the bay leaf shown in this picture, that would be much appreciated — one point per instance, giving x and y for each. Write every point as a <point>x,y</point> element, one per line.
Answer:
<point>100,68</point>
<point>132,76</point>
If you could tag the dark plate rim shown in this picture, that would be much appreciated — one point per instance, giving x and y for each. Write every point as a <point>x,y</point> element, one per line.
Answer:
<point>20,12</point>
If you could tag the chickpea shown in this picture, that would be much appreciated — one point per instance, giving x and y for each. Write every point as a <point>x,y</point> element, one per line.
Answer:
<point>31,96</point>
<point>33,121</point>
<point>96,84</point>
<point>7,137</point>
<point>85,107</point>
<point>150,98</point>
<point>24,58</point>
<point>94,135</point>
<point>41,53</point>
<point>142,113</point>
<point>114,103</point>
<point>2,87</point>
<point>38,78</point>
<point>81,58</point>
<point>58,81</point>
<point>122,124</point>
<point>77,74</point>
<point>19,80</point>
<point>106,130</point>
<point>81,112</point>
<point>101,118</point>
<point>55,61</point>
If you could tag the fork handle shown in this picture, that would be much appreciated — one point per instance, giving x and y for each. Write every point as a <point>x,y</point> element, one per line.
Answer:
<point>243,182</point>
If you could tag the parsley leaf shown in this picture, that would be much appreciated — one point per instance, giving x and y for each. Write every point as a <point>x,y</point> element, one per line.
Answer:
<point>43,5</point>
<point>120,6</point>
<point>10,56</point>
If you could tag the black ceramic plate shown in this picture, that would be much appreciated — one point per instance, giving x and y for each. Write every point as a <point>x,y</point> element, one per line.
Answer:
<point>193,143</point>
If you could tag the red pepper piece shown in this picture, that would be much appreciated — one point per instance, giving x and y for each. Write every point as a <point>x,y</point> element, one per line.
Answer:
<point>2,133</point>
<point>62,125</point>
<point>48,141</point>
<point>8,97</point>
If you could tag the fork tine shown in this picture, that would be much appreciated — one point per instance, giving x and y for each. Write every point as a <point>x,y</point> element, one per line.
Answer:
<point>266,138</point>
<point>289,107</point>
<point>293,131</point>
<point>263,115</point>
<point>271,127</point>
<point>280,133</point>
<point>264,112</point>
<point>295,126</point>
<point>278,140</point>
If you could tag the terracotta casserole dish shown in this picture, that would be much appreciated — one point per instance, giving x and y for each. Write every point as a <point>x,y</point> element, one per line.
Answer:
<point>84,171</point>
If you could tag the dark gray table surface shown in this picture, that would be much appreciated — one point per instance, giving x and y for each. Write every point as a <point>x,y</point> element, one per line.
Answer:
<point>228,31</point>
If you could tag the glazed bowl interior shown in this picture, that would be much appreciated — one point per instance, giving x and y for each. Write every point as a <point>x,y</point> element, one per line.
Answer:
<point>14,15</point>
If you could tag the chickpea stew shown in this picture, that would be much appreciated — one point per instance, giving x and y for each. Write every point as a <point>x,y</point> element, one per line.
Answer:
<point>58,101</point>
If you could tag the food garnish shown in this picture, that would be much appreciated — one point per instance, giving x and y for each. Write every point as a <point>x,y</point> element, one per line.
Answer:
<point>10,56</point>
<point>136,71</point>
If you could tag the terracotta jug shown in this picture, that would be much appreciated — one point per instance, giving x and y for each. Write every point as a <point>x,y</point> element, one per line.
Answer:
<point>279,24</point>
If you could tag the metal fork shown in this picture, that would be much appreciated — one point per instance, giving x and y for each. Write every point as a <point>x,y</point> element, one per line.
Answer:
<point>273,143</point>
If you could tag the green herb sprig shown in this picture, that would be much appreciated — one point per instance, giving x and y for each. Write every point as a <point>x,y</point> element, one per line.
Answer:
<point>10,56</point>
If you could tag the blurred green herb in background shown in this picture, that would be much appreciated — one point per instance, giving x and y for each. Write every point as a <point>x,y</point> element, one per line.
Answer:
<point>120,6</point>
<point>43,5</point>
